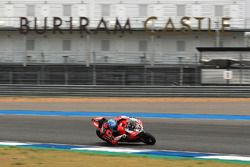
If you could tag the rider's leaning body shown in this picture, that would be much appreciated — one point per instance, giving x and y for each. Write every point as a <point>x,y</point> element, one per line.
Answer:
<point>116,129</point>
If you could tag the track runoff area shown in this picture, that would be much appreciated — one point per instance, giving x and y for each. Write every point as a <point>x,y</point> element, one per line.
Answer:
<point>128,151</point>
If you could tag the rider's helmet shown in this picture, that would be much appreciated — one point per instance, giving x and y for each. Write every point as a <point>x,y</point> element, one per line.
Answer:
<point>131,123</point>
<point>112,124</point>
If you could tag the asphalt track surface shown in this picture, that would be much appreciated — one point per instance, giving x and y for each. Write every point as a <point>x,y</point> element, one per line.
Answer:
<point>230,137</point>
<point>182,135</point>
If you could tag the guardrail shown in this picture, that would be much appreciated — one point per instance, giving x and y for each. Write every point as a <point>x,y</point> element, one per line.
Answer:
<point>125,91</point>
<point>97,57</point>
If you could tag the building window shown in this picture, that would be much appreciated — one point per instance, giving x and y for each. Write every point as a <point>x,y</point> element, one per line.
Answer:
<point>105,45</point>
<point>30,10</point>
<point>218,10</point>
<point>181,10</point>
<point>105,9</point>
<point>143,45</point>
<point>67,10</point>
<point>66,45</point>
<point>30,45</point>
<point>143,10</point>
<point>180,46</point>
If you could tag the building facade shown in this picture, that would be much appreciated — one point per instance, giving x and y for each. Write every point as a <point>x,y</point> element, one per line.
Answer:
<point>114,42</point>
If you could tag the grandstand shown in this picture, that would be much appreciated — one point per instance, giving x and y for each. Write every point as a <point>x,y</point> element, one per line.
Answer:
<point>118,42</point>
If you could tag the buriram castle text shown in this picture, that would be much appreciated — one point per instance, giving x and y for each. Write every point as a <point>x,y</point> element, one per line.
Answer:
<point>83,25</point>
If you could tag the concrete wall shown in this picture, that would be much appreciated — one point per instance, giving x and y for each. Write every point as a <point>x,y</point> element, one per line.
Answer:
<point>93,9</point>
<point>122,48</point>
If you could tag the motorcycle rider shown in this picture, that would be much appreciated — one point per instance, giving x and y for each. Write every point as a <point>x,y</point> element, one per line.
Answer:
<point>125,124</point>
<point>116,129</point>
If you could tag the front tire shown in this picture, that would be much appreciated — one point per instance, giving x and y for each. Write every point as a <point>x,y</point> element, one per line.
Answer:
<point>147,138</point>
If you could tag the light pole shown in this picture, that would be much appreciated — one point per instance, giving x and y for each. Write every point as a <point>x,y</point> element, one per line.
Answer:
<point>181,71</point>
<point>152,57</point>
<point>248,39</point>
<point>94,69</point>
<point>217,31</point>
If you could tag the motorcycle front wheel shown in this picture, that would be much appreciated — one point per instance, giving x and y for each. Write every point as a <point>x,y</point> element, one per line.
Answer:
<point>147,138</point>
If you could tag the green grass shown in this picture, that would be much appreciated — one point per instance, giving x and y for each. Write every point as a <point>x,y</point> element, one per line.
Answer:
<point>30,157</point>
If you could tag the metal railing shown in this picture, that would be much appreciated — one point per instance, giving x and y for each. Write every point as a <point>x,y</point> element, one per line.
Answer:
<point>121,91</point>
<point>116,57</point>
<point>178,76</point>
<point>98,57</point>
<point>98,77</point>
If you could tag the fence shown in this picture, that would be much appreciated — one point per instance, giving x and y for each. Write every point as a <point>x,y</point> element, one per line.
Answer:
<point>173,77</point>
<point>124,91</point>
<point>178,76</point>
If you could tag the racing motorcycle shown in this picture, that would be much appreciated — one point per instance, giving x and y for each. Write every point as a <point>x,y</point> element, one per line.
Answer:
<point>136,135</point>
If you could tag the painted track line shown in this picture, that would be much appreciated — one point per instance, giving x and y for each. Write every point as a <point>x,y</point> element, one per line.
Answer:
<point>134,114</point>
<point>129,151</point>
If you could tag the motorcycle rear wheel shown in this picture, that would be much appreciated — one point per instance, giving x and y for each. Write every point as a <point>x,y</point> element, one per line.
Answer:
<point>100,136</point>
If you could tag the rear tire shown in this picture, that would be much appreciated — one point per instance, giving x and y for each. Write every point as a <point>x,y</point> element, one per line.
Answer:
<point>100,136</point>
<point>147,138</point>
